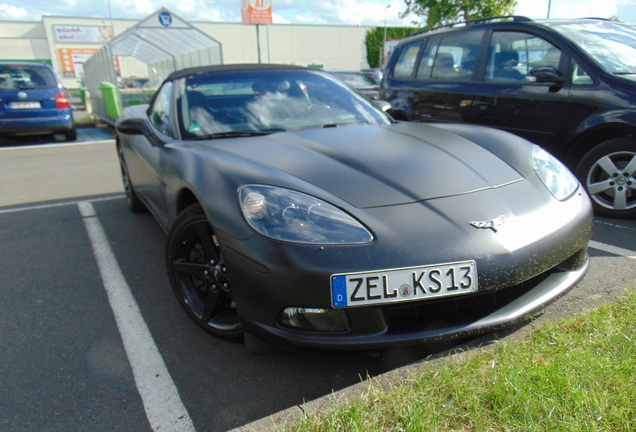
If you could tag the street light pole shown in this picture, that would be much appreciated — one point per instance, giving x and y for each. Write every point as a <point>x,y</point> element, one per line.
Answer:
<point>384,40</point>
<point>110,14</point>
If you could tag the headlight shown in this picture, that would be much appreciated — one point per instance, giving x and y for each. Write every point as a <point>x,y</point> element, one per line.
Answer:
<point>292,216</point>
<point>554,175</point>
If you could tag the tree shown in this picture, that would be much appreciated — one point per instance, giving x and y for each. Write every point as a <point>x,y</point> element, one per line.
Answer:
<point>442,12</point>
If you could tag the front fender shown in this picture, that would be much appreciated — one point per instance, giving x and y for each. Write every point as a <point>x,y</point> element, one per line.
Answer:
<point>622,118</point>
<point>598,128</point>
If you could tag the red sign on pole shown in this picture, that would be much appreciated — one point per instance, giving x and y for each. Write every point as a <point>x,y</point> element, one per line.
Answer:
<point>256,11</point>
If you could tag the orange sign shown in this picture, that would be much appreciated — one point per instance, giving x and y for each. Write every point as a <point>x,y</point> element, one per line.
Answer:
<point>256,11</point>
<point>72,61</point>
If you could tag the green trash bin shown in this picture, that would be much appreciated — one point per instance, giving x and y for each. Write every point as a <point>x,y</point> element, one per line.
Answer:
<point>82,94</point>
<point>111,101</point>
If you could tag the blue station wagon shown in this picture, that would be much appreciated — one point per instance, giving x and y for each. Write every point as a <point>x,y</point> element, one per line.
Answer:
<point>34,101</point>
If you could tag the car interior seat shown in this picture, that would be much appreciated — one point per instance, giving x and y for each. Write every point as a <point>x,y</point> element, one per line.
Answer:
<point>505,62</point>
<point>444,65</point>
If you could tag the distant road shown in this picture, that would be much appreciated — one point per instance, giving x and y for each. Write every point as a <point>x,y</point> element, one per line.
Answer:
<point>29,174</point>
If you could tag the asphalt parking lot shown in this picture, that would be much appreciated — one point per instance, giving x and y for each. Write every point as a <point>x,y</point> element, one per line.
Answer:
<point>92,338</point>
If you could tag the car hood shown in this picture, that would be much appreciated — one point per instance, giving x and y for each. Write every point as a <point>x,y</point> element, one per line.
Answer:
<point>372,166</point>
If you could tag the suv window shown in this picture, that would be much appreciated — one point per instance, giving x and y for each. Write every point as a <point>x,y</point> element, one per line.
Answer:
<point>450,58</point>
<point>406,61</point>
<point>579,76</point>
<point>513,54</point>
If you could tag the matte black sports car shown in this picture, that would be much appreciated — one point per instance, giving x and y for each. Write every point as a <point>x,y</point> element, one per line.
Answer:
<point>299,213</point>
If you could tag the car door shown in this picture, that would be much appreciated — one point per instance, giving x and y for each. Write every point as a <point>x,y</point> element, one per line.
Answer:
<point>444,76</point>
<point>508,98</point>
<point>145,159</point>
<point>430,77</point>
<point>486,83</point>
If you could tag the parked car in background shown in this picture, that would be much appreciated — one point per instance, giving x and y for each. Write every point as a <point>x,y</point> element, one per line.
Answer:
<point>567,85</point>
<point>301,214</point>
<point>34,101</point>
<point>375,74</point>
<point>360,82</point>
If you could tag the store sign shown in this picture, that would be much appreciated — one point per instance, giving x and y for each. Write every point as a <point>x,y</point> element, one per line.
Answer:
<point>90,34</point>
<point>72,61</point>
<point>165,19</point>
<point>256,11</point>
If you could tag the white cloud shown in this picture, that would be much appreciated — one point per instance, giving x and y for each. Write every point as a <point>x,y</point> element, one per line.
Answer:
<point>10,12</point>
<point>133,8</point>
<point>198,8</point>
<point>570,8</point>
<point>343,12</point>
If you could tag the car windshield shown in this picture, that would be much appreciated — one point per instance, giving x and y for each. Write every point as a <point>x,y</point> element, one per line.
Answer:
<point>227,104</point>
<point>19,76</point>
<point>612,44</point>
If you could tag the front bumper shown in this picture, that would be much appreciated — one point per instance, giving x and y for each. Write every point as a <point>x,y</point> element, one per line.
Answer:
<point>401,326</point>
<point>537,257</point>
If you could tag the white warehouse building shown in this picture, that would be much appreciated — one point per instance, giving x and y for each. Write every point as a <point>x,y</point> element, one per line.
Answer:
<point>67,42</point>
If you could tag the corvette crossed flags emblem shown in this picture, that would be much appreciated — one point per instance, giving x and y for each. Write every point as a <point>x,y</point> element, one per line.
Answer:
<point>493,224</point>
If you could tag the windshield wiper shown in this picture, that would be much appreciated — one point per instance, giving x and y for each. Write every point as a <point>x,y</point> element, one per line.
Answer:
<point>237,134</point>
<point>334,125</point>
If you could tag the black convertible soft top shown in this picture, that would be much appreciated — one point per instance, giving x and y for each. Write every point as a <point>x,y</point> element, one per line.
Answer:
<point>231,68</point>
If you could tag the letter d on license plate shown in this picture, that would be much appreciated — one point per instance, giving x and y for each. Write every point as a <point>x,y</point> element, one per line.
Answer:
<point>406,284</point>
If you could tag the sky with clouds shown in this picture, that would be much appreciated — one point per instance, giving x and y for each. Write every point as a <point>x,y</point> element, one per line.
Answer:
<point>335,12</point>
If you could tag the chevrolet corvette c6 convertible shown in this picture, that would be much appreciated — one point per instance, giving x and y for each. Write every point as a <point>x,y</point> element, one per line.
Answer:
<point>298,213</point>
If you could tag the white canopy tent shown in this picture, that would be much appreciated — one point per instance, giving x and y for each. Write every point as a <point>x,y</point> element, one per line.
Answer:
<point>163,41</point>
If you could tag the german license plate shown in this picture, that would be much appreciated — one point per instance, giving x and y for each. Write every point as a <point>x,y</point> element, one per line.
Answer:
<point>25,105</point>
<point>406,284</point>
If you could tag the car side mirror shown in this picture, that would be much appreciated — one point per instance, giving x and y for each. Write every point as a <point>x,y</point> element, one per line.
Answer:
<point>138,126</point>
<point>545,74</point>
<point>132,126</point>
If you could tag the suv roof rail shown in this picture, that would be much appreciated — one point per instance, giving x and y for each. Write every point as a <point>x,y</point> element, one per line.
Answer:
<point>514,18</point>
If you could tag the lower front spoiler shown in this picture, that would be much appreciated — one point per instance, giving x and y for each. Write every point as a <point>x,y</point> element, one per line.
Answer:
<point>545,292</point>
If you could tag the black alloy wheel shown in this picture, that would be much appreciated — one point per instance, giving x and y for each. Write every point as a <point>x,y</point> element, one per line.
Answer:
<point>608,172</point>
<point>134,203</point>
<point>199,276</point>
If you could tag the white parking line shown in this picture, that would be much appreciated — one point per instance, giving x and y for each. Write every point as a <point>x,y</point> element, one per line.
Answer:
<point>56,144</point>
<point>164,409</point>
<point>60,204</point>
<point>613,249</point>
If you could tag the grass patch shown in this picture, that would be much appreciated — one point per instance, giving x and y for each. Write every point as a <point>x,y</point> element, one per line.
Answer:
<point>576,374</point>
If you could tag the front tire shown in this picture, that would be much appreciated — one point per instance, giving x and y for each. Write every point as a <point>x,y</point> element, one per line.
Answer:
<point>134,203</point>
<point>608,172</point>
<point>199,276</point>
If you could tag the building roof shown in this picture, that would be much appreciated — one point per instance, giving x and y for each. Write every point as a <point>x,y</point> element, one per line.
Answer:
<point>162,35</point>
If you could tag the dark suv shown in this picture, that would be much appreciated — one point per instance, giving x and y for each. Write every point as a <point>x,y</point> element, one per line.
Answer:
<point>567,85</point>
